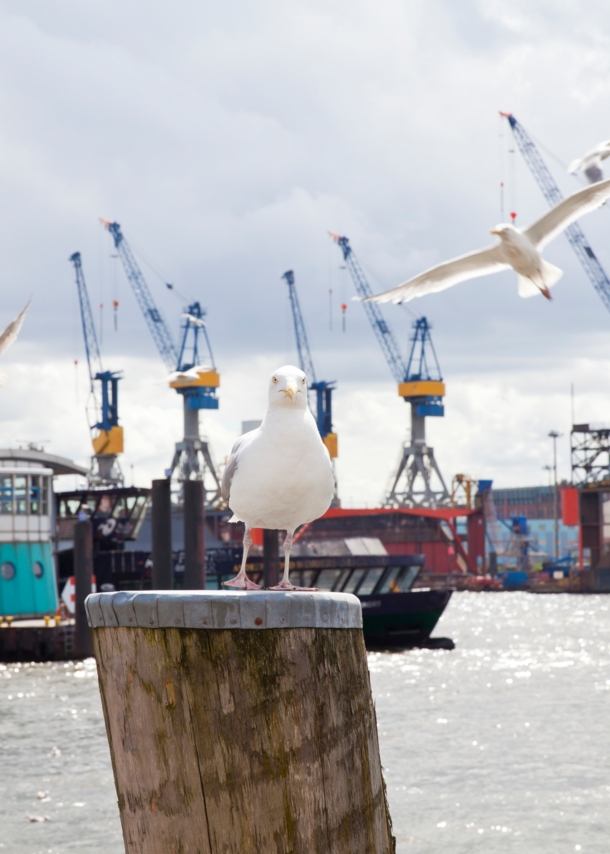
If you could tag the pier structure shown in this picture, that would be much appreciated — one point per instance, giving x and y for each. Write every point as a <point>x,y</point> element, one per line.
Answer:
<point>240,722</point>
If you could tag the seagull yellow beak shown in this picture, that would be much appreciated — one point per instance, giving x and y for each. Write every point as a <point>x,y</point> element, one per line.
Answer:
<point>495,231</point>
<point>291,391</point>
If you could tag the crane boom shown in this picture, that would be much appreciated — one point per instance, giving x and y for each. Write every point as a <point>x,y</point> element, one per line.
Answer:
<point>305,360</point>
<point>86,315</point>
<point>382,331</point>
<point>154,320</point>
<point>553,195</point>
<point>108,442</point>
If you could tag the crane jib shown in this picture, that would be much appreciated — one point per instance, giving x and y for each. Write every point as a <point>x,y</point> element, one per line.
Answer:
<point>574,234</point>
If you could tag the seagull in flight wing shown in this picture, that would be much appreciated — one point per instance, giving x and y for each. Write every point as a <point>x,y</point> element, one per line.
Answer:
<point>518,249</point>
<point>10,334</point>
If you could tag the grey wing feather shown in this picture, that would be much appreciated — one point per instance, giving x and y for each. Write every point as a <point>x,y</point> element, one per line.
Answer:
<point>231,466</point>
<point>470,266</point>
<point>566,212</point>
<point>12,330</point>
<point>227,477</point>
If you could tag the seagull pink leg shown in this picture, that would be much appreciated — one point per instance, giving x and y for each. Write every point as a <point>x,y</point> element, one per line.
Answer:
<point>241,580</point>
<point>285,582</point>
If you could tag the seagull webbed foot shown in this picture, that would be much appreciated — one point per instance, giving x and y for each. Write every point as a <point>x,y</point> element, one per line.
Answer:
<point>287,585</point>
<point>242,582</point>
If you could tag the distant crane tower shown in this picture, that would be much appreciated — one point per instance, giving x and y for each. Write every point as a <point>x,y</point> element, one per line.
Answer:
<point>322,388</point>
<point>551,192</point>
<point>417,481</point>
<point>192,457</point>
<point>106,434</point>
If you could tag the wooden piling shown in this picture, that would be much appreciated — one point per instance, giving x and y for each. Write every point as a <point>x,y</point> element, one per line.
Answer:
<point>163,568</point>
<point>194,535</point>
<point>83,577</point>
<point>271,557</point>
<point>240,723</point>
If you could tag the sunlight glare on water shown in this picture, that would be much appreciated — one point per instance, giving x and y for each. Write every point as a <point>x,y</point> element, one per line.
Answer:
<point>498,747</point>
<point>503,744</point>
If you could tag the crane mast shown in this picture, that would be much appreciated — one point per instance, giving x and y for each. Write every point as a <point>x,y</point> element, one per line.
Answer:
<point>553,195</point>
<point>417,481</point>
<point>322,388</point>
<point>107,434</point>
<point>197,383</point>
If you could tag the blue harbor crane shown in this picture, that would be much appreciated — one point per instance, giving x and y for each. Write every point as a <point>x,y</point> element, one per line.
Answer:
<point>193,373</point>
<point>420,384</point>
<point>551,192</point>
<point>106,433</point>
<point>322,388</point>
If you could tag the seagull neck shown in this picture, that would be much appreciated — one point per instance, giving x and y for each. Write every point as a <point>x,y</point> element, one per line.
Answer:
<point>283,414</point>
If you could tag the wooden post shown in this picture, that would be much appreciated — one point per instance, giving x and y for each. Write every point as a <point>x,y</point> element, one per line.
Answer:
<point>163,567</point>
<point>194,535</point>
<point>240,722</point>
<point>271,565</point>
<point>83,577</point>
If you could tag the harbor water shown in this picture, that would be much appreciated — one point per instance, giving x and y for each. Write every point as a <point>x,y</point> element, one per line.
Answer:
<point>501,745</point>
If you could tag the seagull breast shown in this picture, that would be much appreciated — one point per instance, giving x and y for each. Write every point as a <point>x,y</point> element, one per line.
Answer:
<point>519,251</point>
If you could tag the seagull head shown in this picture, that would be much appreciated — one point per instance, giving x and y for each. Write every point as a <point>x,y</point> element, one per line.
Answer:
<point>504,230</point>
<point>288,388</point>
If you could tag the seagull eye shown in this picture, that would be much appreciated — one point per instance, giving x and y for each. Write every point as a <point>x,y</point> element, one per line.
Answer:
<point>274,379</point>
<point>303,380</point>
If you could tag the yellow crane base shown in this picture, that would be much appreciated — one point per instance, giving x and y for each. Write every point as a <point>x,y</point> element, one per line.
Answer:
<point>109,442</point>
<point>426,388</point>
<point>331,440</point>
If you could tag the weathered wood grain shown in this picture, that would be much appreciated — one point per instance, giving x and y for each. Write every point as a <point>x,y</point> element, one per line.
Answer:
<point>243,742</point>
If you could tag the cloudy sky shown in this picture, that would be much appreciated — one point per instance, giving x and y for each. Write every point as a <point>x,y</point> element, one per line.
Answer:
<point>228,139</point>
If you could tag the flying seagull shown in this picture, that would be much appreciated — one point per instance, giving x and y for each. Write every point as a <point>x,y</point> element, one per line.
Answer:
<point>188,376</point>
<point>279,476</point>
<point>518,248</point>
<point>196,321</point>
<point>590,164</point>
<point>11,332</point>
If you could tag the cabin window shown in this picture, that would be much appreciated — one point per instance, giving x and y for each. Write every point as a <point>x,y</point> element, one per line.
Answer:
<point>327,579</point>
<point>391,581</point>
<point>354,580</point>
<point>120,509</point>
<point>37,569</point>
<point>369,583</point>
<point>104,507</point>
<point>6,494</point>
<point>35,494</point>
<point>21,495</point>
<point>7,570</point>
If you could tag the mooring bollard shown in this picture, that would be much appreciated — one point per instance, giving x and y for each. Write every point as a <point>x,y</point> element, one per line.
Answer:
<point>240,723</point>
<point>194,535</point>
<point>83,577</point>
<point>163,568</point>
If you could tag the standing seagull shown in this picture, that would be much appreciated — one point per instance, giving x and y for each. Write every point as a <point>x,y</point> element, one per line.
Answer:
<point>10,333</point>
<point>518,248</point>
<point>280,475</point>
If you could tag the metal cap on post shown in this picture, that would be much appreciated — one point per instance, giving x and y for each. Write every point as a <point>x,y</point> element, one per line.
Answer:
<point>163,570</point>
<point>194,535</point>
<point>83,578</point>
<point>271,565</point>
